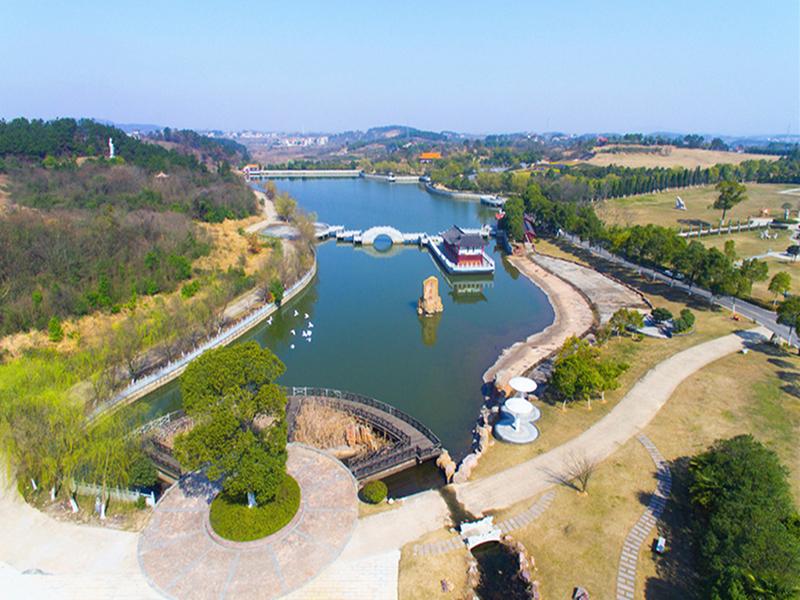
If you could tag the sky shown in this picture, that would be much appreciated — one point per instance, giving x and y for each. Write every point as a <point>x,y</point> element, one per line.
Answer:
<point>727,67</point>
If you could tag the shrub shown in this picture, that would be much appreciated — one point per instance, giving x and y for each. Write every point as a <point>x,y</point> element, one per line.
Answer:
<point>55,330</point>
<point>190,289</point>
<point>661,314</point>
<point>276,291</point>
<point>374,492</point>
<point>233,520</point>
<point>685,322</point>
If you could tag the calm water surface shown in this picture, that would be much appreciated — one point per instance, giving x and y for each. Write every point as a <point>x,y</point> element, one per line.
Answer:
<point>366,335</point>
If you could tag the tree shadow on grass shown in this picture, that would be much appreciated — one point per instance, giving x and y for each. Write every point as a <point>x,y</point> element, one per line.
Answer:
<point>676,575</point>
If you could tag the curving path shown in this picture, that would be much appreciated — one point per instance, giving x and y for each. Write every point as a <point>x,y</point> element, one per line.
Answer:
<point>426,512</point>
<point>182,560</point>
<point>626,575</point>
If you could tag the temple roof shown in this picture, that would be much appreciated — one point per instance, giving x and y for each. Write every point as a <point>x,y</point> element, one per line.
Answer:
<point>456,237</point>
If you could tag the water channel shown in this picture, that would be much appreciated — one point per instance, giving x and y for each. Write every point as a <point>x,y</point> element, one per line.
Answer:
<point>366,335</point>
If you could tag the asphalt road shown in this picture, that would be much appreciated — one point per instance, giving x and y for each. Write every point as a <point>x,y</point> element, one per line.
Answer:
<point>747,310</point>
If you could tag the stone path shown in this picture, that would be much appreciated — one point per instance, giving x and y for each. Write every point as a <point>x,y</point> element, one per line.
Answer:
<point>454,542</point>
<point>182,558</point>
<point>626,576</point>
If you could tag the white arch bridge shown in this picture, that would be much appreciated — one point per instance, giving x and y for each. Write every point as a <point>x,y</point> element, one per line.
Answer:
<point>368,237</point>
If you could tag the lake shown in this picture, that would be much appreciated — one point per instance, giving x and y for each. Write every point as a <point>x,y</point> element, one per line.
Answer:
<point>366,336</point>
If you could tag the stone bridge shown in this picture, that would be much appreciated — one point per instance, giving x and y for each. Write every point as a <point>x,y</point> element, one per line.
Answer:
<point>370,235</point>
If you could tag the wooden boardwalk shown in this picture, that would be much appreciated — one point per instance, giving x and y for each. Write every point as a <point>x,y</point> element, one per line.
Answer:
<point>412,444</point>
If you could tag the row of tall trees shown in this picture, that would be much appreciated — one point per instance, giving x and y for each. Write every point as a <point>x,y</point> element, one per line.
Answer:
<point>648,245</point>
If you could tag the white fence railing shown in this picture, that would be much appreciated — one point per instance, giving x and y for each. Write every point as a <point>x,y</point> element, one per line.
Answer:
<point>114,493</point>
<point>223,337</point>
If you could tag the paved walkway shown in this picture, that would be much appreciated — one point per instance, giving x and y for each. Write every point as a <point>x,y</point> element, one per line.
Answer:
<point>426,512</point>
<point>626,576</point>
<point>183,559</point>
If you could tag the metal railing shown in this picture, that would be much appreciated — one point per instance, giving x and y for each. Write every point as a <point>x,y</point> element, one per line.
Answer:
<point>358,398</point>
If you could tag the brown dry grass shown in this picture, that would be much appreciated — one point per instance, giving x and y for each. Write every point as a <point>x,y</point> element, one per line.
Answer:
<point>671,157</point>
<point>420,577</point>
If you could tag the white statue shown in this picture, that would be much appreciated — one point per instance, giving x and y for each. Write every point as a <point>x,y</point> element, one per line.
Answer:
<point>110,149</point>
<point>680,204</point>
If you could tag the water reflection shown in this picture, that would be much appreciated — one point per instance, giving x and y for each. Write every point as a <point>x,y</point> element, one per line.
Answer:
<point>430,328</point>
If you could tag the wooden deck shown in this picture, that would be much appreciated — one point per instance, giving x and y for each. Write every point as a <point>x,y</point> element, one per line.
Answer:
<point>413,442</point>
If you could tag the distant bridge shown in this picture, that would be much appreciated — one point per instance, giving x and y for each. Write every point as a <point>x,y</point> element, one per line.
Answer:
<point>257,174</point>
<point>368,237</point>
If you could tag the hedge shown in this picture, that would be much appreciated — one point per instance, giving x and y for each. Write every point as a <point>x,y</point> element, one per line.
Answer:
<point>234,521</point>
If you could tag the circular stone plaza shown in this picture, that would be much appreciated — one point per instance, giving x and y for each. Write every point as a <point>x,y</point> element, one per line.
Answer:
<point>183,558</point>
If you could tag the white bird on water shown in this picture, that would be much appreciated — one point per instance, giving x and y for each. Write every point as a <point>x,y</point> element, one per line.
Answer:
<point>292,346</point>
<point>310,325</point>
<point>292,331</point>
<point>306,316</point>
<point>296,313</point>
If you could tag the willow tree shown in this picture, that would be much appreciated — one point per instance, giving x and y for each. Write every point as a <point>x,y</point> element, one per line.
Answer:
<point>238,411</point>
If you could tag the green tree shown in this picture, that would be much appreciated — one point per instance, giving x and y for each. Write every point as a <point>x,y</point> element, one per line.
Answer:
<point>55,330</point>
<point>230,393</point>
<point>749,272</point>
<point>285,206</point>
<point>276,290</point>
<point>731,193</point>
<point>780,284</point>
<point>512,221</point>
<point>744,514</point>
<point>626,320</point>
<point>789,314</point>
<point>575,375</point>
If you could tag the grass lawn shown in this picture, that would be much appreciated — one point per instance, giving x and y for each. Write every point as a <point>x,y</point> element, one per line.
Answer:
<point>757,393</point>
<point>557,426</point>
<point>659,208</point>
<point>670,156</point>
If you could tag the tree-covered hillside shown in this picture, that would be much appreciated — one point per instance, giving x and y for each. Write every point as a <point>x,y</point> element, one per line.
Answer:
<point>80,232</point>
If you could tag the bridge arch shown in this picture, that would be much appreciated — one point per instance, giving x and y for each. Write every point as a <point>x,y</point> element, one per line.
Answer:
<point>368,237</point>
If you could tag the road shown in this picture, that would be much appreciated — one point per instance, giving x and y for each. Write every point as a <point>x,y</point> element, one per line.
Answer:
<point>745,309</point>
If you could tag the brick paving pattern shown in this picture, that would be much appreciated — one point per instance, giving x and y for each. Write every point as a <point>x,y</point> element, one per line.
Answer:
<point>626,576</point>
<point>181,559</point>
<point>454,542</point>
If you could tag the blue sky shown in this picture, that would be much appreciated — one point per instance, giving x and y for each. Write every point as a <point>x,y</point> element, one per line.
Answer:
<point>722,67</point>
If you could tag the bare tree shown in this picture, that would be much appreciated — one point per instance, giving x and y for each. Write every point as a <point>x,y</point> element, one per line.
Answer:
<point>576,472</point>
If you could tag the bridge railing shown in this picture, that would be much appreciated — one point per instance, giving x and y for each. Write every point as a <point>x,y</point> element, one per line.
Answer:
<point>358,398</point>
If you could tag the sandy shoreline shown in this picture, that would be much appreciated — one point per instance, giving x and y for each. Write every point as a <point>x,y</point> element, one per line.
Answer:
<point>573,316</point>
